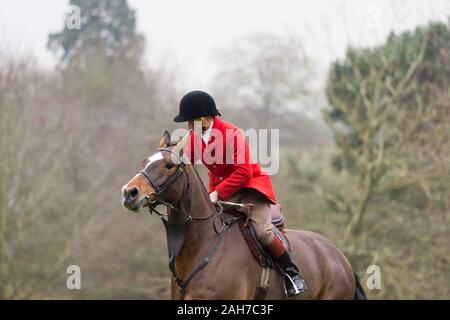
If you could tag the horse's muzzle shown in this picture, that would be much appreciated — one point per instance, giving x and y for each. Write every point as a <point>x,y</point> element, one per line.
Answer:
<point>130,198</point>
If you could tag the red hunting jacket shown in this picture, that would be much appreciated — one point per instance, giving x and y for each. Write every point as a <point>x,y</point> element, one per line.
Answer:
<point>230,166</point>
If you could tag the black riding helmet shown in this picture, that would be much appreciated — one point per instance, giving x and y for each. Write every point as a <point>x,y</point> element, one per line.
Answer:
<point>196,104</point>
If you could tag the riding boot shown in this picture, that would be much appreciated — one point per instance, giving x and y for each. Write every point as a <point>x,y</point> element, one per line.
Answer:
<point>293,281</point>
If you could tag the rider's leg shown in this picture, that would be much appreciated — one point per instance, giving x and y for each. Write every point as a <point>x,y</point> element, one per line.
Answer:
<point>293,280</point>
<point>261,220</point>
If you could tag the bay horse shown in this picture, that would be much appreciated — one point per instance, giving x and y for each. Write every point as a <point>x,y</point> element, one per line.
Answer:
<point>218,265</point>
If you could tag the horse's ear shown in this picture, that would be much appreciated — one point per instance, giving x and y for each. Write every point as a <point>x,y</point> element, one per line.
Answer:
<point>180,145</point>
<point>165,139</point>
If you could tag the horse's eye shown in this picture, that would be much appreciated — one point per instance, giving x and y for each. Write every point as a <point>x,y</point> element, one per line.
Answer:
<point>169,165</point>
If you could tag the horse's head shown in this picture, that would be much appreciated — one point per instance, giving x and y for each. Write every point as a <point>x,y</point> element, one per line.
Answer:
<point>161,177</point>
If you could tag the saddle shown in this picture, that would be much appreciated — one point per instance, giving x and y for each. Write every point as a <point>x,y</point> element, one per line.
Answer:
<point>248,232</point>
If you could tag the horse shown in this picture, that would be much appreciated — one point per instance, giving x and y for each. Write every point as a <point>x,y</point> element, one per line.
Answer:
<point>218,265</point>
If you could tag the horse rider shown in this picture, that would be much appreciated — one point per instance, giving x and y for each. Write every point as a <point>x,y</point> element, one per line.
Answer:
<point>235,178</point>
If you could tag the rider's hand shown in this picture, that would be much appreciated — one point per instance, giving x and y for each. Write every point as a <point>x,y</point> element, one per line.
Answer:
<point>214,196</point>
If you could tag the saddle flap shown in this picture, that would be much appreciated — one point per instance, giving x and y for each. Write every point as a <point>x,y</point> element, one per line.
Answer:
<point>255,246</point>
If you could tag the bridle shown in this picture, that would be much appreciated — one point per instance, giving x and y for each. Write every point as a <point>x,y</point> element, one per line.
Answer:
<point>153,199</point>
<point>153,196</point>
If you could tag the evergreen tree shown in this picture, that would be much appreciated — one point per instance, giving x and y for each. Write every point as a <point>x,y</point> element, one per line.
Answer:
<point>390,110</point>
<point>108,24</point>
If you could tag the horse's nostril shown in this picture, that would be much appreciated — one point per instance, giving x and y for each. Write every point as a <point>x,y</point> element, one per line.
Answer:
<point>133,193</point>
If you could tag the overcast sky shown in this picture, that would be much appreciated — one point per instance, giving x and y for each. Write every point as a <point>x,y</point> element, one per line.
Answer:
<point>189,33</point>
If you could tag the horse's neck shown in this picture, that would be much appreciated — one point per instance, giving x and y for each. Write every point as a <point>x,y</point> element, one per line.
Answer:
<point>196,203</point>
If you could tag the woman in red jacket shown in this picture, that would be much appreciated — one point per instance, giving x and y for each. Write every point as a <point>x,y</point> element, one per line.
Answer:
<point>233,176</point>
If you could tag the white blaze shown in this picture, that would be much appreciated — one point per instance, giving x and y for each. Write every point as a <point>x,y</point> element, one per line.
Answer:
<point>153,158</point>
